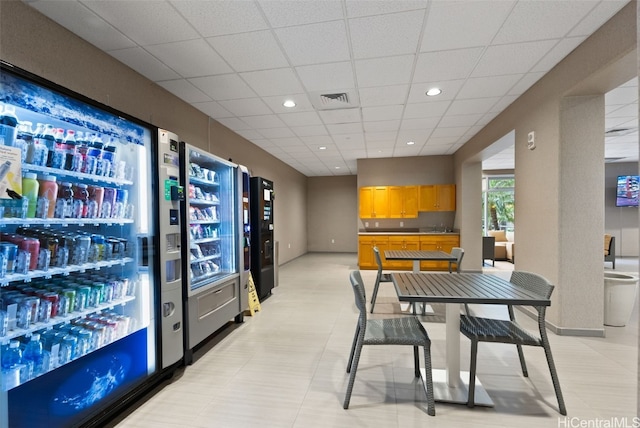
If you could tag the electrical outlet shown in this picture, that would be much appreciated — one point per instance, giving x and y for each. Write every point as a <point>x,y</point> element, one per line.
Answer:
<point>402,224</point>
<point>377,224</point>
<point>366,224</point>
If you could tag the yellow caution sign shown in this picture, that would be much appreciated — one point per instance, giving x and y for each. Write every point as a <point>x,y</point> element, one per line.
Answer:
<point>254,302</point>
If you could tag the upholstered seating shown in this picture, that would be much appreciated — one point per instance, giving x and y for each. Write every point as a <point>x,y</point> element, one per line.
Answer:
<point>504,246</point>
<point>610,250</point>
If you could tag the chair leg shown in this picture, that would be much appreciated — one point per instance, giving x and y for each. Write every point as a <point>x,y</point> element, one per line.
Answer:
<point>374,295</point>
<point>554,378</point>
<point>523,364</point>
<point>352,375</point>
<point>353,348</point>
<point>472,374</point>
<point>428,381</point>
<point>416,361</point>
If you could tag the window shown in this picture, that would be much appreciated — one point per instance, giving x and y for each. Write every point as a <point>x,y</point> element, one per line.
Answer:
<point>498,204</point>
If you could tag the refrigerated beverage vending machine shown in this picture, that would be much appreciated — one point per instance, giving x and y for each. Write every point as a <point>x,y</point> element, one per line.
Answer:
<point>78,256</point>
<point>262,243</point>
<point>213,262</point>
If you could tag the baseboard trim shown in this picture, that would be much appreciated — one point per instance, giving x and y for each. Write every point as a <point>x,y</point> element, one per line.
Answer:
<point>566,331</point>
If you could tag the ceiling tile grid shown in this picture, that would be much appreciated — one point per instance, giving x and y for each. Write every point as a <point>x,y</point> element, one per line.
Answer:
<point>239,60</point>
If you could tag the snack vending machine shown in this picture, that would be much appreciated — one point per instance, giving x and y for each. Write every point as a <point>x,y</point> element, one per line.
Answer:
<point>78,259</point>
<point>213,261</point>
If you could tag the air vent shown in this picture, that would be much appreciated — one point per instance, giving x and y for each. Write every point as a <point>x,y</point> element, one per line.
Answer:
<point>618,132</point>
<point>334,100</point>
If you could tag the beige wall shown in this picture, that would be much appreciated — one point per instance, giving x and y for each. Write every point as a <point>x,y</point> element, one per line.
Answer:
<point>545,175</point>
<point>33,42</point>
<point>331,206</point>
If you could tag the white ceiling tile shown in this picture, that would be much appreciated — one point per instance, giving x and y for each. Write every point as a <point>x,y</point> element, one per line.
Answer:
<point>305,118</point>
<point>380,138</point>
<point>418,136</point>
<point>493,86</point>
<point>427,109</point>
<point>598,16</point>
<point>289,13</point>
<point>629,110</point>
<point>503,103</point>
<point>190,58</point>
<point>145,22</point>
<point>379,152</point>
<point>538,20</point>
<point>233,123</point>
<point>345,128</point>
<point>213,109</point>
<point>249,134</point>
<point>463,24</point>
<point>403,150</point>
<point>384,71</point>
<point>386,35</point>
<point>381,126</point>
<point>459,120</point>
<point>450,132</point>
<point>442,141</point>
<point>431,150</point>
<point>348,140</point>
<point>257,50</point>
<point>326,76</point>
<point>340,116</point>
<point>291,144</point>
<point>511,59</point>
<point>267,83</point>
<point>307,131</point>
<point>618,122</point>
<point>270,132</point>
<point>223,87</point>
<point>557,53</point>
<point>370,114</point>
<point>446,65</point>
<point>246,107</point>
<point>184,90</point>
<point>144,63</point>
<point>85,23</point>
<point>383,95</point>
<point>449,90</point>
<point>214,18</point>
<point>317,140</point>
<point>275,103</point>
<point>474,106</point>
<point>527,81</point>
<point>419,123</point>
<point>266,121</point>
<point>621,95</point>
<point>359,8</point>
<point>315,43</point>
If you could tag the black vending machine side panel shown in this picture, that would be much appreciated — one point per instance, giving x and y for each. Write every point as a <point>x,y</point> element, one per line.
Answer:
<point>262,242</point>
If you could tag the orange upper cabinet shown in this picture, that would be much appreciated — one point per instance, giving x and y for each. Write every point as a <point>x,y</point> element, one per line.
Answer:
<point>374,202</point>
<point>437,197</point>
<point>403,201</point>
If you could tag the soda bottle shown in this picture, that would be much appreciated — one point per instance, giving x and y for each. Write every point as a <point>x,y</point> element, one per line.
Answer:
<point>64,201</point>
<point>48,139</point>
<point>8,125</point>
<point>34,355</point>
<point>24,140</point>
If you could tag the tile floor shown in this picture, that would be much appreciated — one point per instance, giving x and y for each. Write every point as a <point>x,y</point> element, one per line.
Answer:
<point>285,367</point>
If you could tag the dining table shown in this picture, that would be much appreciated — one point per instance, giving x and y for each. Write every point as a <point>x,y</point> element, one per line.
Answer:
<point>419,255</point>
<point>451,385</point>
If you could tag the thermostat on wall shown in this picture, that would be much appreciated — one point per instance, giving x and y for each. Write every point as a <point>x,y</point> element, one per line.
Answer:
<point>531,140</point>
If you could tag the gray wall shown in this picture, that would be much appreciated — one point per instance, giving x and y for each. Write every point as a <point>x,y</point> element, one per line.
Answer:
<point>331,206</point>
<point>33,42</point>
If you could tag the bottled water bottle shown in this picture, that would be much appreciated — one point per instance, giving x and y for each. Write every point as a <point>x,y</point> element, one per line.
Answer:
<point>11,359</point>
<point>34,355</point>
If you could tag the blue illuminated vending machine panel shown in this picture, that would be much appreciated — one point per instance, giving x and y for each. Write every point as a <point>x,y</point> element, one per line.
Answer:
<point>78,327</point>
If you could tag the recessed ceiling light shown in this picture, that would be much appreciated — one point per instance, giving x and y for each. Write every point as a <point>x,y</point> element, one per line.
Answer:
<point>410,143</point>
<point>289,103</point>
<point>434,91</point>
<point>336,167</point>
<point>322,148</point>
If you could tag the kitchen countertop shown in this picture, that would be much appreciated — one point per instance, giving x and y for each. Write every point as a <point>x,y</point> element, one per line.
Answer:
<point>407,232</point>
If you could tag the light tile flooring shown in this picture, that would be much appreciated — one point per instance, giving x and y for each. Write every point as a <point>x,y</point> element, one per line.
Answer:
<point>285,367</point>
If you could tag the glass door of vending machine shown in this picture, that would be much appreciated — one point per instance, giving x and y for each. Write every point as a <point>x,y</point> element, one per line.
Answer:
<point>77,299</point>
<point>213,215</point>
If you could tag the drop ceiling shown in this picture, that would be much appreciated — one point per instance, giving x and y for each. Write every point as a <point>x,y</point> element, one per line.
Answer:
<point>238,61</point>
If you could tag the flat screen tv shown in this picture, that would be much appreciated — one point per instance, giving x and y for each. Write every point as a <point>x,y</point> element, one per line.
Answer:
<point>627,191</point>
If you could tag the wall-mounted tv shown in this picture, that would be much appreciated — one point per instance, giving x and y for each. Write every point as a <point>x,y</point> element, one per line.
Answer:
<point>627,191</point>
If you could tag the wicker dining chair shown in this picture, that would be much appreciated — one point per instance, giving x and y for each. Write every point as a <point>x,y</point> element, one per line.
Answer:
<point>509,331</point>
<point>380,277</point>
<point>458,253</point>
<point>390,331</point>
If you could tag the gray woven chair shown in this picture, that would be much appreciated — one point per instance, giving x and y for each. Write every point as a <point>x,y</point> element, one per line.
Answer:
<point>459,254</point>
<point>381,277</point>
<point>508,331</point>
<point>391,331</point>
